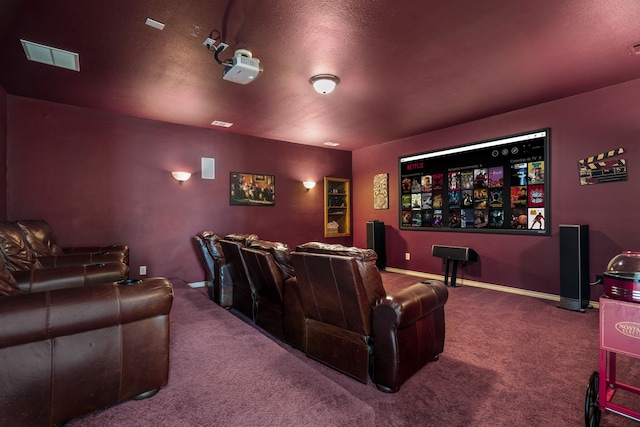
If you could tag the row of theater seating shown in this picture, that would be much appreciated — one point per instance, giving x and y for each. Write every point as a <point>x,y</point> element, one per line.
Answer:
<point>75,334</point>
<point>328,301</point>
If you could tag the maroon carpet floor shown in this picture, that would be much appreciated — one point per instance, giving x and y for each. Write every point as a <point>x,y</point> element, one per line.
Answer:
<point>509,360</point>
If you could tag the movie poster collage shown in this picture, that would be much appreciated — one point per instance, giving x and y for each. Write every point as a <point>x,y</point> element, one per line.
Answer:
<point>477,198</point>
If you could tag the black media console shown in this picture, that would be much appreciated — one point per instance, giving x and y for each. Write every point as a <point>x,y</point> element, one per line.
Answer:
<point>455,254</point>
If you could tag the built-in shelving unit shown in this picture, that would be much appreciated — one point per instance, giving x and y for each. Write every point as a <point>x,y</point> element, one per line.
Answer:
<point>337,207</point>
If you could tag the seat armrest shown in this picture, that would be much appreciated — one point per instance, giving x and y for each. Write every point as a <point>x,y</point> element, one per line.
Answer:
<point>62,312</point>
<point>37,280</point>
<point>405,306</point>
<point>80,259</point>
<point>118,249</point>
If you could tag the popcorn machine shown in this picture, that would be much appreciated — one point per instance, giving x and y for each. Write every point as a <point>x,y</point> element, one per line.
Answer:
<point>619,327</point>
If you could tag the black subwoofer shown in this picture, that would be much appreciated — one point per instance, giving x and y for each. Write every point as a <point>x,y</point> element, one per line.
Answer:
<point>375,241</point>
<point>574,267</point>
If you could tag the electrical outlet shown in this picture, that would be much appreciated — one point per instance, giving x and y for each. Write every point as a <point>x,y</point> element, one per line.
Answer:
<point>407,256</point>
<point>143,270</point>
<point>209,42</point>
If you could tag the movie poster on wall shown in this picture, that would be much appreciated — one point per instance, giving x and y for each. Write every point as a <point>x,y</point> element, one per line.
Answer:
<point>495,186</point>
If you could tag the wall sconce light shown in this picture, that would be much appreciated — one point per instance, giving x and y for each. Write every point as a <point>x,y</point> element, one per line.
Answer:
<point>181,176</point>
<point>309,184</point>
<point>324,83</point>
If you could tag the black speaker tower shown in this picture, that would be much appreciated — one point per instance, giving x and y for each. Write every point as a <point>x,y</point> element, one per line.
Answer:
<point>375,241</point>
<point>574,267</point>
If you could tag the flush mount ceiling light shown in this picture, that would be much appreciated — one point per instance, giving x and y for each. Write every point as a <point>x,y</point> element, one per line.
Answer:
<point>324,83</point>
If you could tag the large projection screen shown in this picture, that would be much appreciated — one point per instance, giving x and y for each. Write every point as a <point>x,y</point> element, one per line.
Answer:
<point>494,186</point>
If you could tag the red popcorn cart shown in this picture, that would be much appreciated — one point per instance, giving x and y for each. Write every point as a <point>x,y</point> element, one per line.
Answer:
<point>619,334</point>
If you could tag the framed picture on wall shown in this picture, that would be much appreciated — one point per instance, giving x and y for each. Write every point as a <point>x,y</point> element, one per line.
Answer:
<point>250,189</point>
<point>493,186</point>
<point>381,191</point>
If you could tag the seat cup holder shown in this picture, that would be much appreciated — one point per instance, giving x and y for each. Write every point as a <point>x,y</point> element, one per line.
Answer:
<point>128,282</point>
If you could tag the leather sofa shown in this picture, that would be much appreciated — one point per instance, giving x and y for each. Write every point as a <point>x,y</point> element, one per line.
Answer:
<point>355,327</point>
<point>70,345</point>
<point>31,244</point>
<point>219,283</point>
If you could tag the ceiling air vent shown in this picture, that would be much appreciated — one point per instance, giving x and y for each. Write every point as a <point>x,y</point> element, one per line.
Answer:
<point>635,49</point>
<point>221,123</point>
<point>50,55</point>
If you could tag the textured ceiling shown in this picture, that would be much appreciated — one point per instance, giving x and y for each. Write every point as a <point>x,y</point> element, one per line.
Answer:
<point>406,67</point>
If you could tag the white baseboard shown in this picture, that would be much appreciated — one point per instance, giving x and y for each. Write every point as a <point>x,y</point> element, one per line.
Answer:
<point>197,284</point>
<point>491,286</point>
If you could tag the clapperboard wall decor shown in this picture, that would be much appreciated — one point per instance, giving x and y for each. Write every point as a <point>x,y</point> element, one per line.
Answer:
<point>602,168</point>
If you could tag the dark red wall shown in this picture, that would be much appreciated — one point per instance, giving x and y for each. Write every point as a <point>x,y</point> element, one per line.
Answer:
<point>3,154</point>
<point>100,178</point>
<point>103,178</point>
<point>581,126</point>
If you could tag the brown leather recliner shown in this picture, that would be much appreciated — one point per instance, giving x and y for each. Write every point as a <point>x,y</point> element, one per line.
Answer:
<point>353,326</point>
<point>19,255</point>
<point>71,346</point>
<point>43,242</point>
<point>219,283</point>
<point>278,309</point>
<point>243,290</point>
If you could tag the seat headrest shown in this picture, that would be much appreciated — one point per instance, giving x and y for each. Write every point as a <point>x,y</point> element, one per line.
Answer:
<point>16,250</point>
<point>40,236</point>
<point>212,242</point>
<point>245,239</point>
<point>280,253</point>
<point>337,249</point>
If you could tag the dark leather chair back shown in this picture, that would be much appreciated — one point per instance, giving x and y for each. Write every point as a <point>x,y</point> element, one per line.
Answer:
<point>338,287</point>
<point>243,290</point>
<point>41,238</point>
<point>264,273</point>
<point>332,291</point>
<point>280,253</point>
<point>16,250</point>
<point>207,260</point>
<point>351,321</point>
<point>277,294</point>
<point>223,288</point>
<point>269,290</point>
<point>365,262</point>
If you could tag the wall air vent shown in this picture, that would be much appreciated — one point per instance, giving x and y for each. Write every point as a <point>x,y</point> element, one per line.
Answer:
<point>51,55</point>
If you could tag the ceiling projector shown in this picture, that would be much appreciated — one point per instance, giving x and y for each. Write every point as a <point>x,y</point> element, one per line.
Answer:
<point>243,68</point>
